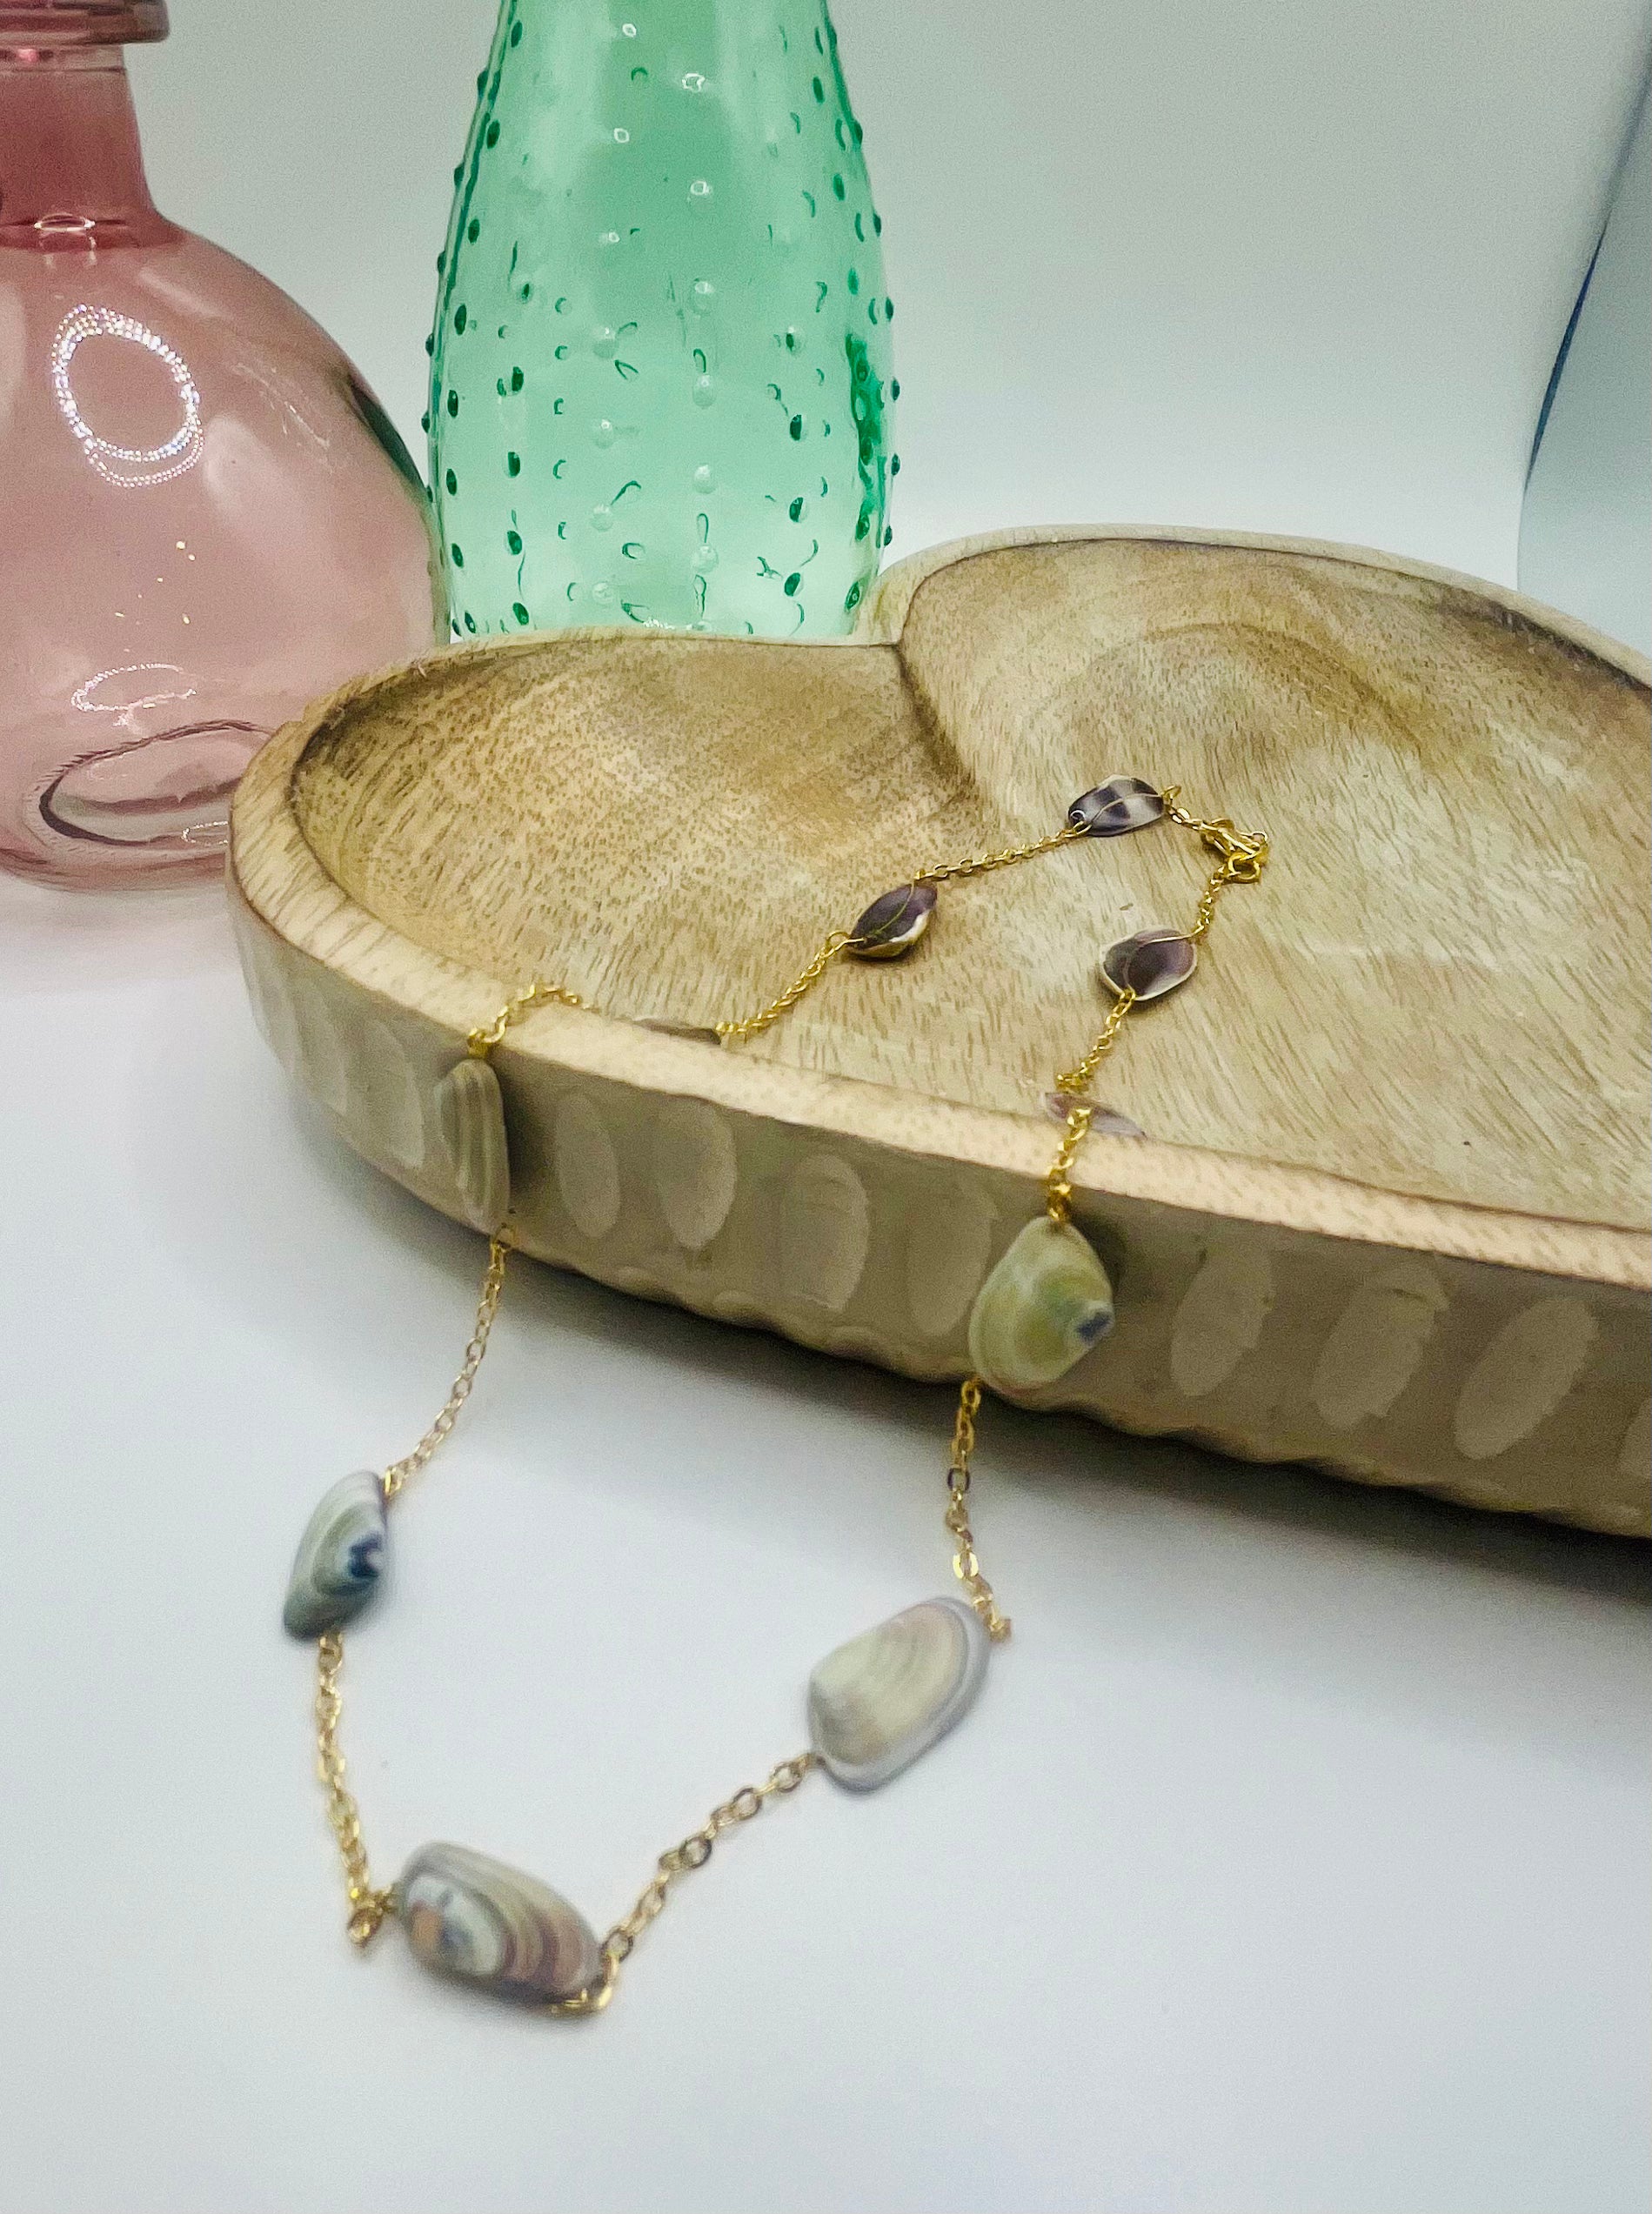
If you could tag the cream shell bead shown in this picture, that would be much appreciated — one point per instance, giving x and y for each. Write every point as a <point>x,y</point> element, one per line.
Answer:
<point>881,1700</point>
<point>469,1113</point>
<point>1040,1310</point>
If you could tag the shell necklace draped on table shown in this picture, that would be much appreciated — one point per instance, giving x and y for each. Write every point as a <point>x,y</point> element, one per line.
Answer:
<point>883,1697</point>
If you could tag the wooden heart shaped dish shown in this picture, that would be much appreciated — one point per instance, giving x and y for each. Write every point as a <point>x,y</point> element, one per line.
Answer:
<point>1389,1213</point>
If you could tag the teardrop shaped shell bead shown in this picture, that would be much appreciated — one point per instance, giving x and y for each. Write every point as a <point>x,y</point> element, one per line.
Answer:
<point>340,1557</point>
<point>1042,1307</point>
<point>893,923</point>
<point>1120,804</point>
<point>470,1110</point>
<point>1150,964</point>
<point>491,1926</point>
<point>881,1700</point>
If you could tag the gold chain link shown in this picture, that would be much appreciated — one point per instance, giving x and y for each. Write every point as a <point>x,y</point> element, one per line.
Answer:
<point>499,1247</point>
<point>1058,1182</point>
<point>980,864</point>
<point>966,1567</point>
<point>368,1907</point>
<point>735,1033</point>
<point>693,1852</point>
<point>1243,855</point>
<point>480,1042</point>
<point>1075,1079</point>
<point>1241,858</point>
<point>840,941</point>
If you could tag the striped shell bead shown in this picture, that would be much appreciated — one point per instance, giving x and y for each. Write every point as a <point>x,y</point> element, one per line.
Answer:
<point>340,1557</point>
<point>878,1702</point>
<point>1120,804</point>
<point>1149,964</point>
<point>486,1924</point>
<point>470,1110</point>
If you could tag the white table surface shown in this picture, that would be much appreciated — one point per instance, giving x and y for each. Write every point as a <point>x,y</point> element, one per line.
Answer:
<point>1294,1860</point>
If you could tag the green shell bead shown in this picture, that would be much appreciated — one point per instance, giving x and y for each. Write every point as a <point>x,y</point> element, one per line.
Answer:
<point>1042,1307</point>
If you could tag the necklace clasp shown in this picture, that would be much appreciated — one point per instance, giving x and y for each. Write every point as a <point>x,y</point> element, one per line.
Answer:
<point>1243,853</point>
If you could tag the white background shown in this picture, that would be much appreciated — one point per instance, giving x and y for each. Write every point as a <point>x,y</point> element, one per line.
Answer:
<point>1294,1860</point>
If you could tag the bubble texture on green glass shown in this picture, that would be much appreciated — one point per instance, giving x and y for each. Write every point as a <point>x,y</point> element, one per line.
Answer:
<point>660,388</point>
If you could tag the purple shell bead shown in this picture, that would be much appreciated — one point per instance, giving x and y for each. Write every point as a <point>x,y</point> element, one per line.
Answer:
<point>1120,804</point>
<point>1105,1122</point>
<point>893,923</point>
<point>1150,964</point>
<point>700,1031</point>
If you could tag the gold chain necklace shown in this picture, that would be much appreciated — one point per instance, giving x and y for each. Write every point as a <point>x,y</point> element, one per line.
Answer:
<point>877,1702</point>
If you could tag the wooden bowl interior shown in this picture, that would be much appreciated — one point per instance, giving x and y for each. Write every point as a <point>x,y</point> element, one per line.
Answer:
<point>1437,989</point>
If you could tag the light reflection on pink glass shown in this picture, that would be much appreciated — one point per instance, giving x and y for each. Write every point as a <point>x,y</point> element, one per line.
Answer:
<point>125,709</point>
<point>208,519</point>
<point>155,465</point>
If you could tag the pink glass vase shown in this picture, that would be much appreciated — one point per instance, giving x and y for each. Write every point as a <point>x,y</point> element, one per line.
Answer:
<point>206,517</point>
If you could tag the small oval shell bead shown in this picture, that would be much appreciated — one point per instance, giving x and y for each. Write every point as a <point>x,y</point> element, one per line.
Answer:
<point>340,1557</point>
<point>1120,804</point>
<point>1150,964</point>
<point>470,1110</point>
<point>884,1698</point>
<point>491,1926</point>
<point>893,923</point>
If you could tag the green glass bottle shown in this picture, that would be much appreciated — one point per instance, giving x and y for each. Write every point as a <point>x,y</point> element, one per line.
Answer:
<point>660,386</point>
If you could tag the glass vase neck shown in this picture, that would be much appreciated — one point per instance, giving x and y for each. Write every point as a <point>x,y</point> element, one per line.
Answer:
<point>71,167</point>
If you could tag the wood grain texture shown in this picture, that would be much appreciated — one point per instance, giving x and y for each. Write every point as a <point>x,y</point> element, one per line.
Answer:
<point>1390,1216</point>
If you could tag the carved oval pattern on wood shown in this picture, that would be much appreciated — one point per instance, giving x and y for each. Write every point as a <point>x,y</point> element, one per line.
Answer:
<point>949,1242</point>
<point>382,1076</point>
<point>1634,1454</point>
<point>1376,1344</point>
<point>271,1007</point>
<point>1220,1318</point>
<point>364,870</point>
<point>696,1174</point>
<point>321,1050</point>
<point>586,1166</point>
<point>1522,1376</point>
<point>826,1232</point>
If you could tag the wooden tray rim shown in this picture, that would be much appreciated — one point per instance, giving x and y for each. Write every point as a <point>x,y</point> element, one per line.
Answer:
<point>285,882</point>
